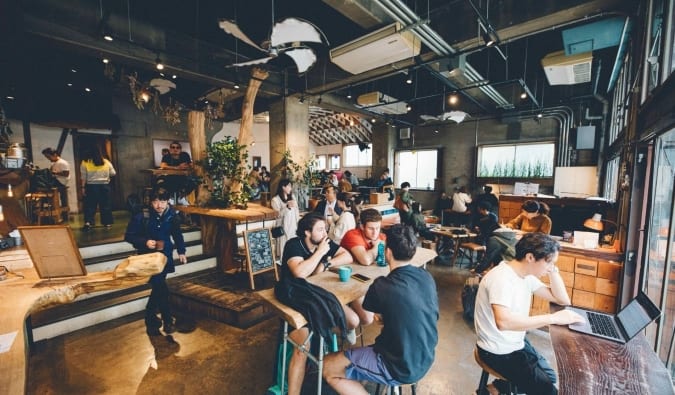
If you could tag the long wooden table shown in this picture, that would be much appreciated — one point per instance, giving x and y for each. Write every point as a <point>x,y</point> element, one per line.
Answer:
<point>219,229</point>
<point>345,292</point>
<point>23,292</point>
<point>590,365</point>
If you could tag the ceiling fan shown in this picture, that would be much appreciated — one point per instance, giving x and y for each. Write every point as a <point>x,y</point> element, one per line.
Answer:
<point>457,116</point>
<point>289,37</point>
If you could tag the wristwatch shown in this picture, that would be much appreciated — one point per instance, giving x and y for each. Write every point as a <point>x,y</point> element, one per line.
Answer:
<point>326,265</point>
<point>555,269</point>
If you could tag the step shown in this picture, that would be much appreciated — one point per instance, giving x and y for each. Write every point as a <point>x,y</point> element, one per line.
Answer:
<point>92,309</point>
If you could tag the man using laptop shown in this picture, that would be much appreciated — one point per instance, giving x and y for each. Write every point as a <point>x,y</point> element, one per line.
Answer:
<point>502,315</point>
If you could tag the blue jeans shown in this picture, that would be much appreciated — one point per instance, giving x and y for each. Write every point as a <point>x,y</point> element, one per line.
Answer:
<point>525,368</point>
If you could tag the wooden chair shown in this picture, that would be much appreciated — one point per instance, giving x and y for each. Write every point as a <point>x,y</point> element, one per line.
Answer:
<point>485,375</point>
<point>41,205</point>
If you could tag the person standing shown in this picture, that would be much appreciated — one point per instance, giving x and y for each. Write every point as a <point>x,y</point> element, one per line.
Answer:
<point>158,229</point>
<point>265,178</point>
<point>405,207</point>
<point>287,213</point>
<point>96,172</point>
<point>60,168</point>
<point>407,301</point>
<point>502,315</point>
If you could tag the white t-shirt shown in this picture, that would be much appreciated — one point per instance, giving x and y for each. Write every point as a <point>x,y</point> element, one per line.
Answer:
<point>459,201</point>
<point>345,223</point>
<point>59,166</point>
<point>502,286</point>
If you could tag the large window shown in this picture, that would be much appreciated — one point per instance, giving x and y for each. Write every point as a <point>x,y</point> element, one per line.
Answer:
<point>418,167</point>
<point>357,155</point>
<point>612,179</point>
<point>516,161</point>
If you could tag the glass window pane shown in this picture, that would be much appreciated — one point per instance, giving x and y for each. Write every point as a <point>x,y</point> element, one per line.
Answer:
<point>523,160</point>
<point>418,167</point>
<point>354,155</point>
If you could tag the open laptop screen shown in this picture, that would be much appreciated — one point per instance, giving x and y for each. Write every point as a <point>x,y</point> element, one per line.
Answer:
<point>637,314</point>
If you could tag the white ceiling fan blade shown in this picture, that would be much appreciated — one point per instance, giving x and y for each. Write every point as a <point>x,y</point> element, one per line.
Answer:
<point>231,28</point>
<point>250,62</point>
<point>294,30</point>
<point>162,85</point>
<point>304,58</point>
<point>457,116</point>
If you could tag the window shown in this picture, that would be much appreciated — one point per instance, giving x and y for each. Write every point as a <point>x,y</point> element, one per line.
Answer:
<point>516,161</point>
<point>419,168</point>
<point>334,162</point>
<point>320,162</point>
<point>612,180</point>
<point>355,156</point>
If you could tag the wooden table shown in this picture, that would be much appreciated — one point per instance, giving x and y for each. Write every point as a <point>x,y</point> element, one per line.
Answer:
<point>446,232</point>
<point>167,172</point>
<point>345,292</point>
<point>590,365</point>
<point>23,293</point>
<point>219,230</point>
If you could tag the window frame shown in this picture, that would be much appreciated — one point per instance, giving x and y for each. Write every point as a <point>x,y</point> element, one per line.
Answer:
<point>545,180</point>
<point>431,186</point>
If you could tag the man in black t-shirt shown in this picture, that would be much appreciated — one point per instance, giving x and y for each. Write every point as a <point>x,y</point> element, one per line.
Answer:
<point>310,253</point>
<point>407,302</point>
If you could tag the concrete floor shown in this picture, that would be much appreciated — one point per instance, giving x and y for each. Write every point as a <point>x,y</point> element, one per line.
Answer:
<point>117,357</point>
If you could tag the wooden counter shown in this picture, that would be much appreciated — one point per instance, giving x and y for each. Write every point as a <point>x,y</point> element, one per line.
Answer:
<point>23,292</point>
<point>218,228</point>
<point>590,365</point>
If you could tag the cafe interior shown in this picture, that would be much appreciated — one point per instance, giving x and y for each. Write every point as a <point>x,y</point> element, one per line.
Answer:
<point>570,103</point>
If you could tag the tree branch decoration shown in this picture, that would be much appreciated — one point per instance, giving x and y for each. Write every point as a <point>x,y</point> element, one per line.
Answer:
<point>223,168</point>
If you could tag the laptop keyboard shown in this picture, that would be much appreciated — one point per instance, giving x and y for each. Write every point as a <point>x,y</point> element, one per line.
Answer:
<point>602,325</point>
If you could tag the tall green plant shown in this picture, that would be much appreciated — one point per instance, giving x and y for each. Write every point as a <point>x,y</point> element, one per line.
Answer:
<point>223,166</point>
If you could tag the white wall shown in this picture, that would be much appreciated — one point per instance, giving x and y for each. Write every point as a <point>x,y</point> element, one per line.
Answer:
<point>260,136</point>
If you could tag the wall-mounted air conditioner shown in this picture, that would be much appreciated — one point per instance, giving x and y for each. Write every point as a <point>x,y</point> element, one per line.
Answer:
<point>567,70</point>
<point>382,104</point>
<point>404,133</point>
<point>376,49</point>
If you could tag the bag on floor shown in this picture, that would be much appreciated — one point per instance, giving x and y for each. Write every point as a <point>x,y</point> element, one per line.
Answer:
<point>469,292</point>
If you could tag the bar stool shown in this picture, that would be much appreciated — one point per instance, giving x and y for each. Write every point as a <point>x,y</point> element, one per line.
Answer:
<point>396,390</point>
<point>469,248</point>
<point>487,371</point>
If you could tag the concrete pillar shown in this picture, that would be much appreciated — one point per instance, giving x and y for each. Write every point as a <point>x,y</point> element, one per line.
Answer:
<point>384,138</point>
<point>289,130</point>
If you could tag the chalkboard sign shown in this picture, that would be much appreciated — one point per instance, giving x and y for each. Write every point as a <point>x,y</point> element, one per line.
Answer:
<point>259,254</point>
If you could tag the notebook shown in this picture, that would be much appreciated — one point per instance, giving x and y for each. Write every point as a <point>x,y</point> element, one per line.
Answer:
<point>53,250</point>
<point>620,327</point>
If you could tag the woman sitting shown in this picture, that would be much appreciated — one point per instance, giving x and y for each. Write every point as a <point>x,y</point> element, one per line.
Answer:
<point>346,221</point>
<point>533,218</point>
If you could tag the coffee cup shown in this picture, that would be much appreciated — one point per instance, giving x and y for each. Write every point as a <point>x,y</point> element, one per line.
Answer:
<point>159,245</point>
<point>344,272</point>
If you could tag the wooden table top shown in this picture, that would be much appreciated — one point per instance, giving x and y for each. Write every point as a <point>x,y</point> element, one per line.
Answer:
<point>167,172</point>
<point>591,365</point>
<point>447,231</point>
<point>344,291</point>
<point>23,292</point>
<point>254,212</point>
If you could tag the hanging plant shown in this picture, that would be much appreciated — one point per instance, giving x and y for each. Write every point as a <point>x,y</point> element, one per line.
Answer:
<point>223,166</point>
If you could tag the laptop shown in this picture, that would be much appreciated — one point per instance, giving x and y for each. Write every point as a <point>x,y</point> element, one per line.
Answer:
<point>54,252</point>
<point>620,327</point>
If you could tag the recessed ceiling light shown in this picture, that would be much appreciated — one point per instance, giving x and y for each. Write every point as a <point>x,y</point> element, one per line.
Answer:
<point>87,90</point>
<point>73,71</point>
<point>174,76</point>
<point>106,61</point>
<point>70,84</point>
<point>436,131</point>
<point>236,86</point>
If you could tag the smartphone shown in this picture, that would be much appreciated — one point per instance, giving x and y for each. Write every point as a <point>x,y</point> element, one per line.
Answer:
<point>360,277</point>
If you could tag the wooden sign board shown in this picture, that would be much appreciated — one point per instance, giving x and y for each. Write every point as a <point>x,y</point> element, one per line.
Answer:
<point>259,253</point>
<point>53,250</point>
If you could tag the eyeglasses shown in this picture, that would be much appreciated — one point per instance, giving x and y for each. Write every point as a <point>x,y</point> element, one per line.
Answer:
<point>175,146</point>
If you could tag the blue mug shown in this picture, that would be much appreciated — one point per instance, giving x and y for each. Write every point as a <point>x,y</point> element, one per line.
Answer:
<point>344,272</point>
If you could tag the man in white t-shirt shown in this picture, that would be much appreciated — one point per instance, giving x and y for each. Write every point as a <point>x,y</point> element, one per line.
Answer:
<point>502,315</point>
<point>60,168</point>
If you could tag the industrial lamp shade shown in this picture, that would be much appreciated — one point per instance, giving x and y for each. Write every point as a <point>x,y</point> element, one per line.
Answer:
<point>595,223</point>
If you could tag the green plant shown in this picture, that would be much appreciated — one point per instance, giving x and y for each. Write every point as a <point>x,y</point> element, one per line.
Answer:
<point>224,168</point>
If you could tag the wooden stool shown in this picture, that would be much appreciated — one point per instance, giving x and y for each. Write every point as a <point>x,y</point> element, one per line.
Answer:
<point>487,371</point>
<point>467,250</point>
<point>397,390</point>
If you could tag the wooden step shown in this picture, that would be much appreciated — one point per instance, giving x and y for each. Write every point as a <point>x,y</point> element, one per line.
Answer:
<point>222,297</point>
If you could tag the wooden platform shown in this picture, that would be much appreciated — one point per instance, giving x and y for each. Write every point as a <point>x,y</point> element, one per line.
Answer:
<point>225,298</point>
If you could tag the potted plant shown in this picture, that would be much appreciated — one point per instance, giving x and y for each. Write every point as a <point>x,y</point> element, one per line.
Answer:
<point>225,170</point>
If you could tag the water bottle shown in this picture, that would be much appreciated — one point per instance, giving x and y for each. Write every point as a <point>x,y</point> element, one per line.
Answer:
<point>380,255</point>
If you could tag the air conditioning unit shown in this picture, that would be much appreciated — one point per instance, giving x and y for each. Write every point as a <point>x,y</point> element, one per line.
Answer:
<point>380,103</point>
<point>376,49</point>
<point>567,70</point>
<point>404,133</point>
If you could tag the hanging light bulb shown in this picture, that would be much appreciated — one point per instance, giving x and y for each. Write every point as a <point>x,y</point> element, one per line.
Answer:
<point>409,79</point>
<point>158,64</point>
<point>523,95</point>
<point>145,95</point>
<point>453,99</point>
<point>9,190</point>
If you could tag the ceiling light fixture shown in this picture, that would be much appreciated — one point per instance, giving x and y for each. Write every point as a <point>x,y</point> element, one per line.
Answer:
<point>523,95</point>
<point>453,99</point>
<point>236,86</point>
<point>87,89</point>
<point>436,131</point>
<point>351,122</point>
<point>106,61</point>
<point>174,76</point>
<point>408,107</point>
<point>158,63</point>
<point>372,120</point>
<point>409,79</point>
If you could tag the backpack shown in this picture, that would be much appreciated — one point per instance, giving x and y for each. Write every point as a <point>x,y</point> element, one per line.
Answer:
<point>469,293</point>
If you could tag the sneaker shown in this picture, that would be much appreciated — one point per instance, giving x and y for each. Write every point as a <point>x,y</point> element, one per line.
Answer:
<point>351,336</point>
<point>86,226</point>
<point>108,226</point>
<point>169,326</point>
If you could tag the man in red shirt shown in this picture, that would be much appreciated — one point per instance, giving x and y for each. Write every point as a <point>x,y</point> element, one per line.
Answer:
<point>362,242</point>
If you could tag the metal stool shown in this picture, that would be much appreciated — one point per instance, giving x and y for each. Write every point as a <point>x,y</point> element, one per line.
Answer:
<point>487,371</point>
<point>397,390</point>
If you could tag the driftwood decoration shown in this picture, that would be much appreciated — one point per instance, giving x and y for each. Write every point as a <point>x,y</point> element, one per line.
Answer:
<point>245,137</point>
<point>197,137</point>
